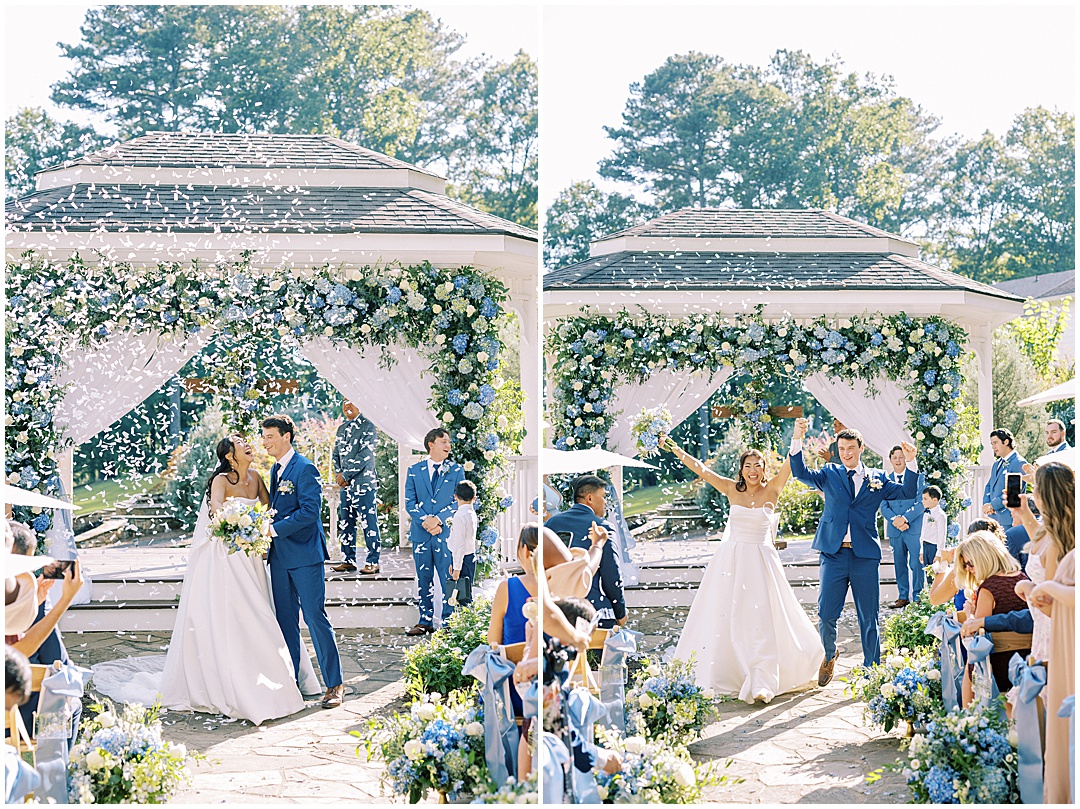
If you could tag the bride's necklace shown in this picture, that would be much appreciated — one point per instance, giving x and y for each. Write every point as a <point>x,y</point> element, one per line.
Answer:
<point>754,497</point>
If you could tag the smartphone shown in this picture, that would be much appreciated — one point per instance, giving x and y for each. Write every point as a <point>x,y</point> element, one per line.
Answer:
<point>565,536</point>
<point>57,569</point>
<point>1013,485</point>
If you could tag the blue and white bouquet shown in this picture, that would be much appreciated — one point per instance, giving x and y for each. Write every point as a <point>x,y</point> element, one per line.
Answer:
<point>654,772</point>
<point>964,757</point>
<point>666,703</point>
<point>647,427</point>
<point>123,759</point>
<point>438,745</point>
<point>513,791</point>
<point>243,527</point>
<point>905,686</point>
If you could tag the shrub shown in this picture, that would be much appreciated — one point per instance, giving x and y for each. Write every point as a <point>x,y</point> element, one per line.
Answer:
<point>434,665</point>
<point>907,629</point>
<point>800,508</point>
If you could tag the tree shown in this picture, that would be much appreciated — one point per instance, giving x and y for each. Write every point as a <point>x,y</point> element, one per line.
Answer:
<point>582,213</point>
<point>497,167</point>
<point>35,141</point>
<point>1038,333</point>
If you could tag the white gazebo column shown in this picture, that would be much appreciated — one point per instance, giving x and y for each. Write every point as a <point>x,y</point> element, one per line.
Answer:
<point>404,461</point>
<point>981,342</point>
<point>525,304</point>
<point>65,462</point>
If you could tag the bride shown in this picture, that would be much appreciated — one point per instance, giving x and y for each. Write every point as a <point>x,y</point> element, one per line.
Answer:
<point>227,654</point>
<point>746,628</point>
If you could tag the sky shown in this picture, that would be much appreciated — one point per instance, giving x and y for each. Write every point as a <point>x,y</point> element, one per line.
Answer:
<point>973,67</point>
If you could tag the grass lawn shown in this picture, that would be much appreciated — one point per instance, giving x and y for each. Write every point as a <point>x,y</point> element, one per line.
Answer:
<point>641,500</point>
<point>104,493</point>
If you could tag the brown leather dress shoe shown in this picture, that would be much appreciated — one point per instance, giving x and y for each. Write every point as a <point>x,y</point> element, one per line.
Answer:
<point>899,603</point>
<point>344,567</point>
<point>332,697</point>
<point>420,629</point>
<point>825,672</point>
<point>367,570</point>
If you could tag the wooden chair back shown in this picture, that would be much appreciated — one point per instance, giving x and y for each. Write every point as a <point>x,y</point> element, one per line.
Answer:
<point>17,734</point>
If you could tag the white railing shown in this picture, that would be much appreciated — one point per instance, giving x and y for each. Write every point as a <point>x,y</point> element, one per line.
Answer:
<point>522,482</point>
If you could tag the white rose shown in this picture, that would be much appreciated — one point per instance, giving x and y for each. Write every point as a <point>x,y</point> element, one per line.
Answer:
<point>17,351</point>
<point>933,674</point>
<point>601,792</point>
<point>587,407</point>
<point>14,478</point>
<point>232,519</point>
<point>685,776</point>
<point>482,356</point>
<point>414,750</point>
<point>470,310</point>
<point>888,690</point>
<point>645,701</point>
<point>107,719</point>
<point>653,670</point>
<point>440,339</point>
<point>578,384</point>
<point>23,437</point>
<point>914,764</point>
<point>436,309</point>
<point>245,521</point>
<point>17,396</point>
<point>352,274</point>
<point>365,328</point>
<point>1014,738</point>
<point>30,378</point>
<point>895,661</point>
<point>276,284</point>
<point>468,466</point>
<point>474,729</point>
<point>447,417</point>
<point>95,761</point>
<point>502,422</point>
<point>570,440</point>
<point>489,454</point>
<point>426,711</point>
<point>435,697</point>
<point>179,750</point>
<point>634,744</point>
<point>709,694</point>
<point>578,422</point>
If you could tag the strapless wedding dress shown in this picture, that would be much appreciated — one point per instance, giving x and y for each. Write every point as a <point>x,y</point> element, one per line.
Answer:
<point>750,636</point>
<point>227,654</point>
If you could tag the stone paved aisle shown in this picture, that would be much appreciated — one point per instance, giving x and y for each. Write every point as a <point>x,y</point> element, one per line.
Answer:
<point>807,747</point>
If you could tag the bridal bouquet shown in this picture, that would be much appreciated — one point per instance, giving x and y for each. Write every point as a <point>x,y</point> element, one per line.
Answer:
<point>647,427</point>
<point>123,759</point>
<point>654,772</point>
<point>904,686</point>
<point>666,703</point>
<point>964,757</point>
<point>438,745</point>
<point>243,527</point>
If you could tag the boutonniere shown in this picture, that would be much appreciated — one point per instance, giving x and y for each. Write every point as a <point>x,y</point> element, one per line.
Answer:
<point>286,487</point>
<point>875,483</point>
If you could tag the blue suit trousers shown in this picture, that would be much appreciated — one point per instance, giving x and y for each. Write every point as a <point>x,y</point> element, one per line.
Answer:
<point>432,558</point>
<point>355,510</point>
<point>906,546</point>
<point>838,571</point>
<point>304,589</point>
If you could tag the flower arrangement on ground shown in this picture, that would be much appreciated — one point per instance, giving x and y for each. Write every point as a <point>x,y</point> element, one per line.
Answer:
<point>906,629</point>
<point>666,703</point>
<point>655,772</point>
<point>243,527</point>
<point>513,791</point>
<point>964,757</point>
<point>905,686</point>
<point>122,758</point>
<point>437,745</point>
<point>435,663</point>
<point>647,427</point>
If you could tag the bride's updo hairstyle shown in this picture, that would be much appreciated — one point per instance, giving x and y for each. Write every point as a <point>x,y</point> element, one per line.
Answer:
<point>224,447</point>
<point>740,481</point>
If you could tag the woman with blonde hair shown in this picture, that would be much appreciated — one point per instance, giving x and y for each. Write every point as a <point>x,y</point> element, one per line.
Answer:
<point>983,565</point>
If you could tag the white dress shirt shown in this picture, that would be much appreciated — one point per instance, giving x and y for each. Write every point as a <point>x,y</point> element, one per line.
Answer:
<point>462,540</point>
<point>283,461</point>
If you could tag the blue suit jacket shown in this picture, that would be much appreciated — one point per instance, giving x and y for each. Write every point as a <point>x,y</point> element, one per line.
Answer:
<point>841,512</point>
<point>607,589</point>
<point>299,539</point>
<point>421,502</point>
<point>910,510</point>
<point>354,456</point>
<point>1062,447</point>
<point>993,493</point>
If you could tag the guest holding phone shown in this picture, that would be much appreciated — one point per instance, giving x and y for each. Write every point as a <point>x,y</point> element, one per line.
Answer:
<point>1008,461</point>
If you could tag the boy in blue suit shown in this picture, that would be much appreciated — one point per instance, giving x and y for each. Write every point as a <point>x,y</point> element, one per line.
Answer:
<point>903,527</point>
<point>847,537</point>
<point>1008,460</point>
<point>429,500</point>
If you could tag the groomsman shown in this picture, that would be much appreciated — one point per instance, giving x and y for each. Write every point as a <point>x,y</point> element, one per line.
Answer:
<point>1055,436</point>
<point>1008,460</point>
<point>903,528</point>
<point>429,500</point>
<point>354,464</point>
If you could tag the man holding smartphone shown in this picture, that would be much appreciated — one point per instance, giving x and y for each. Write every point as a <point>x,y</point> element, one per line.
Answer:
<point>1008,461</point>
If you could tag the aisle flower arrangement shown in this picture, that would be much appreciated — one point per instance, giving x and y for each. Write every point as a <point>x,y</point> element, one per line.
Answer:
<point>243,527</point>
<point>906,629</point>
<point>435,663</point>
<point>122,758</point>
<point>666,703</point>
<point>654,772</point>
<point>647,427</point>
<point>437,745</point>
<point>905,686</point>
<point>513,791</point>
<point>964,757</point>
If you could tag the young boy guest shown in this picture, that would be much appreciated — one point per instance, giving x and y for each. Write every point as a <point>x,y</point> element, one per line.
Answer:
<point>462,541</point>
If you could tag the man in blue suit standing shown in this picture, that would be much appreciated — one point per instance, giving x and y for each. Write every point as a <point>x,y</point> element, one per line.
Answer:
<point>847,537</point>
<point>1008,460</point>
<point>429,500</point>
<point>903,528</point>
<point>354,465</point>
<point>297,554</point>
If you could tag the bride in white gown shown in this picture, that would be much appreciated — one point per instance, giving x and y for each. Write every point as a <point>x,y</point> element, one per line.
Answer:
<point>750,636</point>
<point>227,654</point>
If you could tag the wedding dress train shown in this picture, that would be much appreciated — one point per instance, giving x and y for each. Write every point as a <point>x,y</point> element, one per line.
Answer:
<point>750,636</point>
<point>227,654</point>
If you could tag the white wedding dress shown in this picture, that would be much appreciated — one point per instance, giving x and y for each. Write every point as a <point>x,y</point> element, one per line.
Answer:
<point>227,654</point>
<point>750,636</point>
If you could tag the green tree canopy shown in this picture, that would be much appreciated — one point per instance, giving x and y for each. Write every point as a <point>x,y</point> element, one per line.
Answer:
<point>34,140</point>
<point>580,214</point>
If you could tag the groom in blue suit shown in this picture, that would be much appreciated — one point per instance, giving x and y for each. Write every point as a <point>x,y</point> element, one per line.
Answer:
<point>847,536</point>
<point>429,500</point>
<point>297,554</point>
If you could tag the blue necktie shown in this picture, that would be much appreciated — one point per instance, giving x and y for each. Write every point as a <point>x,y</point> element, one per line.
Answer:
<point>435,479</point>
<point>851,482</point>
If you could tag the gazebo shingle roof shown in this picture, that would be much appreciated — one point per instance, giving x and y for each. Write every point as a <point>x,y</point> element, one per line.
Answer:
<point>197,209</point>
<point>222,150</point>
<point>706,223</point>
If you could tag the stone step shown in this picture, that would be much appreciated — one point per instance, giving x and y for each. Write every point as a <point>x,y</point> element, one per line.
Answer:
<point>164,590</point>
<point>107,533</point>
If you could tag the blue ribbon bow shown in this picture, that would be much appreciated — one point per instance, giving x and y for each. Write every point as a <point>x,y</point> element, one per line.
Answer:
<point>1068,711</point>
<point>583,710</point>
<point>59,691</point>
<point>553,760</point>
<point>979,648</point>
<point>500,730</point>
<point>619,644</point>
<point>945,628</point>
<point>1029,681</point>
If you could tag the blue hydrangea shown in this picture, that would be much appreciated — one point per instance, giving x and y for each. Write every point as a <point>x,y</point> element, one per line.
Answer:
<point>925,420</point>
<point>489,534</point>
<point>316,302</point>
<point>930,377</point>
<point>488,308</point>
<point>951,418</point>
<point>102,331</point>
<point>954,457</point>
<point>472,411</point>
<point>476,290</point>
<point>110,740</point>
<point>627,334</point>
<point>952,349</point>
<point>460,281</point>
<point>560,443</point>
<point>954,527</point>
<point>140,302</point>
<point>939,785</point>
<point>877,338</point>
<point>30,477</point>
<point>506,502</point>
<point>492,364</point>
<point>170,317</point>
<point>393,295</point>
<point>832,356</point>
<point>486,395</point>
<point>455,397</point>
<point>833,339</point>
<point>339,315</point>
<point>756,332</point>
<point>340,295</point>
<point>442,321</point>
<point>243,285</point>
<point>577,347</point>
<point>965,503</point>
<point>41,523</point>
<point>490,442</point>
<point>460,343</point>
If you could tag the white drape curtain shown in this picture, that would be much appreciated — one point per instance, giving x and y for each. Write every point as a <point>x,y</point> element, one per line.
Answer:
<point>880,419</point>
<point>110,380</point>
<point>682,392</point>
<point>395,400</point>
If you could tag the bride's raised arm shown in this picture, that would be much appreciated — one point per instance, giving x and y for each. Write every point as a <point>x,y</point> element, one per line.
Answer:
<point>722,484</point>
<point>217,494</point>
<point>782,477</point>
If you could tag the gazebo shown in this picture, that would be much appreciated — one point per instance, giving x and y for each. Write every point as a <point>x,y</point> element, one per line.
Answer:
<point>794,264</point>
<point>284,200</point>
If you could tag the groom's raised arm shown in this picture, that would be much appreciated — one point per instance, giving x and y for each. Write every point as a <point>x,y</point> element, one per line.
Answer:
<point>309,495</point>
<point>798,464</point>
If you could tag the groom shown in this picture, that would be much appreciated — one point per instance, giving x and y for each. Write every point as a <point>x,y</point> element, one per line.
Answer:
<point>847,537</point>
<point>297,554</point>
